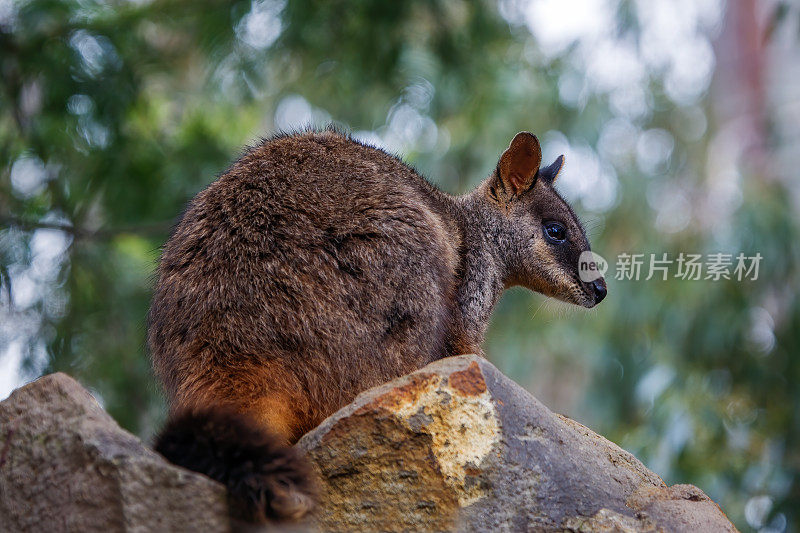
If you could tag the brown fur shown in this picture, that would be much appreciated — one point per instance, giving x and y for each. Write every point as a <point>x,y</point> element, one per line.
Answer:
<point>317,267</point>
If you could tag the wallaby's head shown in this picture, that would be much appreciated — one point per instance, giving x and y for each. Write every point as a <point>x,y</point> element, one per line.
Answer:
<point>539,238</point>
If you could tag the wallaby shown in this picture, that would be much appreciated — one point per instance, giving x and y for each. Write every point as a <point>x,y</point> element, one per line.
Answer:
<point>317,267</point>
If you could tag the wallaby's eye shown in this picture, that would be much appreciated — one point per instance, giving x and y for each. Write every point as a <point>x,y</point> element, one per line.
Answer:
<point>555,232</point>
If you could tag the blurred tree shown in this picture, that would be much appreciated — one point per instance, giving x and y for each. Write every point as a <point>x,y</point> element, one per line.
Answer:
<point>113,114</point>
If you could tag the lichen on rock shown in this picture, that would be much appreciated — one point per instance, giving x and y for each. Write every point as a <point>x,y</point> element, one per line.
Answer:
<point>458,414</point>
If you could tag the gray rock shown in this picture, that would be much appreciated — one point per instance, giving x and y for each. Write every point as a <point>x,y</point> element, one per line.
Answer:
<point>65,465</point>
<point>457,446</point>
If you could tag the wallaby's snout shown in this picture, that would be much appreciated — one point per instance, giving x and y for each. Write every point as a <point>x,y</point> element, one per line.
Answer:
<point>600,290</point>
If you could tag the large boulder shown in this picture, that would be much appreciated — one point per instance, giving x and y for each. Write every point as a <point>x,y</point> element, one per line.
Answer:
<point>457,446</point>
<point>65,465</point>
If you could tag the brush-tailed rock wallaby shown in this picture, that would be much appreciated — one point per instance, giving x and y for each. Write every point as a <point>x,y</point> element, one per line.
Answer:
<point>317,267</point>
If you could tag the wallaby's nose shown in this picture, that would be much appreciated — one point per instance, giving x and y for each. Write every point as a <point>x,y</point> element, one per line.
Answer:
<point>600,291</point>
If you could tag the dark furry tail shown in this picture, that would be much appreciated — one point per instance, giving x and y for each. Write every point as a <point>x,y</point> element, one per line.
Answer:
<point>266,479</point>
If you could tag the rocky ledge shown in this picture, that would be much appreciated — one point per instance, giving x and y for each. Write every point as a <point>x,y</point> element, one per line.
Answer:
<point>455,446</point>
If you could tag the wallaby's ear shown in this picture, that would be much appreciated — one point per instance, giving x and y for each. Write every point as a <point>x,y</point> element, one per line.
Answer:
<point>519,163</point>
<point>550,173</point>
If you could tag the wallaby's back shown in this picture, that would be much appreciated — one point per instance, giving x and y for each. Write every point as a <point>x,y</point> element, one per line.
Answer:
<point>314,268</point>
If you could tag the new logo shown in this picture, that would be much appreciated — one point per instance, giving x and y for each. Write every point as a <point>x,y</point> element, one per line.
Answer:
<point>591,266</point>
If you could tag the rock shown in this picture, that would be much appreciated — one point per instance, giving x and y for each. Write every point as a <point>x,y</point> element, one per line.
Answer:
<point>457,446</point>
<point>65,465</point>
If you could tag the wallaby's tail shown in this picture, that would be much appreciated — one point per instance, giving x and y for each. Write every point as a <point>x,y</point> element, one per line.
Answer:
<point>266,479</point>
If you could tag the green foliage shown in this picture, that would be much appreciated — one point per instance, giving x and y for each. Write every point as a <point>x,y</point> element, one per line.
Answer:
<point>114,114</point>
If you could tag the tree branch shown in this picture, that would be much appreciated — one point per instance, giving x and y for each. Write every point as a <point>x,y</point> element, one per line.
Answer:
<point>148,230</point>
